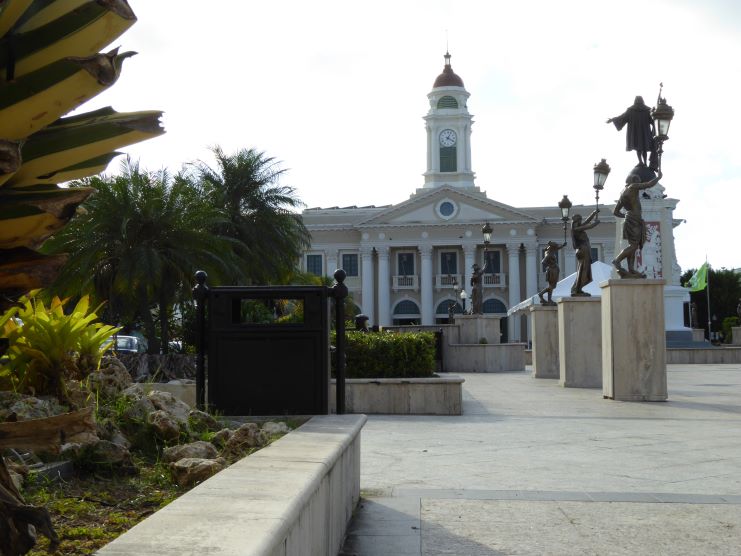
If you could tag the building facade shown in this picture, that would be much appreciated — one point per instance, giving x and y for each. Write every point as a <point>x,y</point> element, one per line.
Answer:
<point>407,262</point>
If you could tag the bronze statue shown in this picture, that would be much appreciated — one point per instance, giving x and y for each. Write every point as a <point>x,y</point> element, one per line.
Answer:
<point>640,134</point>
<point>634,229</point>
<point>580,241</point>
<point>550,262</point>
<point>477,289</point>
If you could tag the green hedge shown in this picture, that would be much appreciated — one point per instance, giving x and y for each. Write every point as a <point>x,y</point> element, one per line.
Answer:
<point>388,354</point>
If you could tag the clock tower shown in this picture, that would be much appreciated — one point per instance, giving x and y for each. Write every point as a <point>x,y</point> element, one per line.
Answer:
<point>448,125</point>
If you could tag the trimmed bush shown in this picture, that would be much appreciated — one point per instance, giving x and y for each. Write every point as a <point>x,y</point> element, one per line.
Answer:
<point>388,354</point>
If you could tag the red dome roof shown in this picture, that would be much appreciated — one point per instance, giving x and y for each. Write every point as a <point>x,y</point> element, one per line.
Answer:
<point>448,78</point>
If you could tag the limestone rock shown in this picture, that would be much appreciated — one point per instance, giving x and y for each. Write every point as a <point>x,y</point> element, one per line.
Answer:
<point>164,401</point>
<point>199,449</point>
<point>272,427</point>
<point>247,436</point>
<point>138,411</point>
<point>164,425</point>
<point>222,437</point>
<point>111,379</point>
<point>201,421</point>
<point>105,452</point>
<point>108,431</point>
<point>189,471</point>
<point>19,407</point>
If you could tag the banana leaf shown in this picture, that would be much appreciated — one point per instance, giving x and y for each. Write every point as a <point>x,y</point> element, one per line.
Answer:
<point>70,141</point>
<point>41,97</point>
<point>10,12</point>
<point>82,31</point>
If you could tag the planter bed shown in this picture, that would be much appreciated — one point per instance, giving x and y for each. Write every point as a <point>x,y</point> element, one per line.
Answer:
<point>402,396</point>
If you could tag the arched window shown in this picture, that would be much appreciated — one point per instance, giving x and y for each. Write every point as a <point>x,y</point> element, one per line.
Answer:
<point>447,102</point>
<point>442,308</point>
<point>493,306</point>
<point>406,307</point>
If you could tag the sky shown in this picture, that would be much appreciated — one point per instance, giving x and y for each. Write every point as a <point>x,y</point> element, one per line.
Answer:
<point>336,90</point>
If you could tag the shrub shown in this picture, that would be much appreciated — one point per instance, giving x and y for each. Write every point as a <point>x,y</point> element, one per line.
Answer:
<point>389,355</point>
<point>726,325</point>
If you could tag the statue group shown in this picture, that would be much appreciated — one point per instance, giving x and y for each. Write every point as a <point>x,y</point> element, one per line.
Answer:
<point>640,137</point>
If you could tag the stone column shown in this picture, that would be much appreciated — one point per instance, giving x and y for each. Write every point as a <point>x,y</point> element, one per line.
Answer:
<point>384,286</point>
<point>331,262</point>
<point>426,282</point>
<point>531,269</point>
<point>366,265</point>
<point>569,262</point>
<point>544,323</point>
<point>580,342</point>
<point>513,284</point>
<point>469,255</point>
<point>633,340</point>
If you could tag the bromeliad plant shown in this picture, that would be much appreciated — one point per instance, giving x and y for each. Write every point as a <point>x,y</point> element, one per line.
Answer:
<point>48,346</point>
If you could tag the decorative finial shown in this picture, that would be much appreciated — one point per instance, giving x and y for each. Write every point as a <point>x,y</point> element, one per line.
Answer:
<point>447,58</point>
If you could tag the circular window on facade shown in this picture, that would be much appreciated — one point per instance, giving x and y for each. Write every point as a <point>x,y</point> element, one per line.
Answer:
<point>446,209</point>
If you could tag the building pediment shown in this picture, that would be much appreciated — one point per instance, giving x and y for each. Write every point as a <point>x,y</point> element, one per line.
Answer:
<point>447,205</point>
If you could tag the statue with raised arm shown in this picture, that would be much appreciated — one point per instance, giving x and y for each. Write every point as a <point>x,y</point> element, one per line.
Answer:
<point>580,241</point>
<point>552,271</point>
<point>634,228</point>
<point>640,134</point>
<point>477,289</point>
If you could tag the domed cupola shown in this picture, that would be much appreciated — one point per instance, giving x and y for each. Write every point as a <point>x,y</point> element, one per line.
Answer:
<point>448,124</point>
<point>448,78</point>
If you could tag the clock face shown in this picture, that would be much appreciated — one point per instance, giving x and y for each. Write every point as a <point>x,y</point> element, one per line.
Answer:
<point>448,137</point>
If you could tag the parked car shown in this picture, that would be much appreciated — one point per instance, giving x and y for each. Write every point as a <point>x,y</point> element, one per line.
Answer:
<point>128,344</point>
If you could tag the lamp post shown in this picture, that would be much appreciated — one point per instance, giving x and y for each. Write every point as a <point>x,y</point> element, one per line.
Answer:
<point>486,231</point>
<point>565,206</point>
<point>464,296</point>
<point>451,307</point>
<point>601,171</point>
<point>662,116</point>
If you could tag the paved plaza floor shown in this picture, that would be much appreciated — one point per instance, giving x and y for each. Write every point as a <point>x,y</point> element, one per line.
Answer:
<point>534,468</point>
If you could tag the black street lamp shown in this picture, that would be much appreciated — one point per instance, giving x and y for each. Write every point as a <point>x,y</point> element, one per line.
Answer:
<point>565,206</point>
<point>601,171</point>
<point>662,115</point>
<point>486,230</point>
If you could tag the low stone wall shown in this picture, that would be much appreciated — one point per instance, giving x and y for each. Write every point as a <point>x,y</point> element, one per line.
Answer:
<point>294,497</point>
<point>402,396</point>
<point>484,358</point>
<point>714,355</point>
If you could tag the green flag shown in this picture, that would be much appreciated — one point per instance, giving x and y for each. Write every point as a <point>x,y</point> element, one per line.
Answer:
<point>699,279</point>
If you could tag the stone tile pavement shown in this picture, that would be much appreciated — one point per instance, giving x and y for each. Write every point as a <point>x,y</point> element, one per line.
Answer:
<point>533,468</point>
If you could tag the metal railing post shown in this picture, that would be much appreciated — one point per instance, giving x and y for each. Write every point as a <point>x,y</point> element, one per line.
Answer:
<point>339,292</point>
<point>200,292</point>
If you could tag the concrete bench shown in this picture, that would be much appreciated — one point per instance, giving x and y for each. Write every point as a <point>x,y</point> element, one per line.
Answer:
<point>295,496</point>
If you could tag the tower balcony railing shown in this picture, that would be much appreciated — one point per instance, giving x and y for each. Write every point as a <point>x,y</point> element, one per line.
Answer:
<point>447,281</point>
<point>406,282</point>
<point>495,280</point>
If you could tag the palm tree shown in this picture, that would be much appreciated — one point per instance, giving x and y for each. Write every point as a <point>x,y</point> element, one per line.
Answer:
<point>138,242</point>
<point>260,213</point>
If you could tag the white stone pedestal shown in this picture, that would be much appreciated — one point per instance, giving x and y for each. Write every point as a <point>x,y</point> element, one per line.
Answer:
<point>580,342</point>
<point>736,335</point>
<point>475,327</point>
<point>544,326</point>
<point>698,334</point>
<point>633,340</point>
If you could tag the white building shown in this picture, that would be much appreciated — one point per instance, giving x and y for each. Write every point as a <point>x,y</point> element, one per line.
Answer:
<point>403,261</point>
